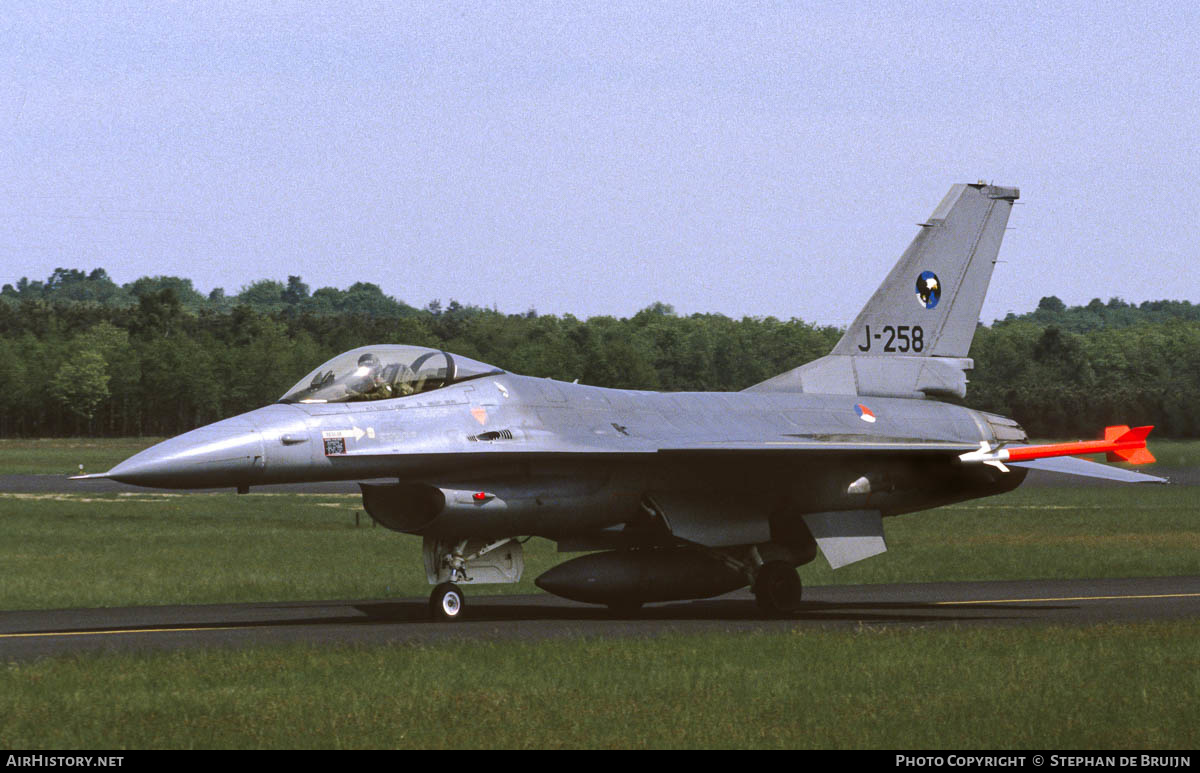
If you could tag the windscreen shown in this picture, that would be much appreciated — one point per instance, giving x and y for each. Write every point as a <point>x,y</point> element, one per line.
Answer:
<point>384,372</point>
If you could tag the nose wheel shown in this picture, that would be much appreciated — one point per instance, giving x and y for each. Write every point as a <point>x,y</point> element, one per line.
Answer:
<point>446,603</point>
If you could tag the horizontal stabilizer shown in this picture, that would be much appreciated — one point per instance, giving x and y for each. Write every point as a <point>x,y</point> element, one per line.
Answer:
<point>1072,465</point>
<point>847,536</point>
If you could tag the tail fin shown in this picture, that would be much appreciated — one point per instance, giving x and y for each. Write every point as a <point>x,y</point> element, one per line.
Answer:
<point>1135,436</point>
<point>939,283</point>
<point>913,336</point>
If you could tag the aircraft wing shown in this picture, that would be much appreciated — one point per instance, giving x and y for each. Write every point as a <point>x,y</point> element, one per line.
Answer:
<point>1073,465</point>
<point>1122,445</point>
<point>802,445</point>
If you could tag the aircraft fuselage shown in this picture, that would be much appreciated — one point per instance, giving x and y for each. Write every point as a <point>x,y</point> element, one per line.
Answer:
<point>586,459</point>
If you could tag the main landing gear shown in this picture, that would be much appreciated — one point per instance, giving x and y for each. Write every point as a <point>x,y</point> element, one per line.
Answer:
<point>774,582</point>
<point>777,588</point>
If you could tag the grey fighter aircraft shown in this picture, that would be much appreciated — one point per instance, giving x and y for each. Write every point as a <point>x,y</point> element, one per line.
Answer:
<point>672,496</point>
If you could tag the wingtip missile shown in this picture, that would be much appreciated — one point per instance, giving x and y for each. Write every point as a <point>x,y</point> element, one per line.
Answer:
<point>1120,444</point>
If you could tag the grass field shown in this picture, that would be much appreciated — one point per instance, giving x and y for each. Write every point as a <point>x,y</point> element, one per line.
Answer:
<point>1113,687</point>
<point>62,456</point>
<point>1118,686</point>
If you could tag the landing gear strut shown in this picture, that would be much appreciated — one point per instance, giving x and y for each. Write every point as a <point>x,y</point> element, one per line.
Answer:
<point>446,603</point>
<point>465,561</point>
<point>777,588</point>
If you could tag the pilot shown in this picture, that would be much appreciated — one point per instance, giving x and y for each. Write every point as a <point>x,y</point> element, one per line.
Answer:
<point>371,385</point>
<point>404,382</point>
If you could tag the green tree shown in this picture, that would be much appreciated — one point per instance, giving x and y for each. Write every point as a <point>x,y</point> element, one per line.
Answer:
<point>81,383</point>
<point>296,292</point>
<point>263,295</point>
<point>185,295</point>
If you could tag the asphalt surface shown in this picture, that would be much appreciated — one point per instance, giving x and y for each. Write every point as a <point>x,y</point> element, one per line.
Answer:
<point>38,633</point>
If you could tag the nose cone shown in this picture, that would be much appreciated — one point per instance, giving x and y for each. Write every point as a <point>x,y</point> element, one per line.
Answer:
<point>226,453</point>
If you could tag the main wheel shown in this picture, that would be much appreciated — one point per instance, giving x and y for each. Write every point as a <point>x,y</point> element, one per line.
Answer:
<point>447,602</point>
<point>777,588</point>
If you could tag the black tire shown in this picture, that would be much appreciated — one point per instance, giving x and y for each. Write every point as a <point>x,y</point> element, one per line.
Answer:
<point>447,603</point>
<point>778,589</point>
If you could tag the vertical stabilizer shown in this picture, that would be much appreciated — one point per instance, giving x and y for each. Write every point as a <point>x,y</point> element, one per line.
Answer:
<point>939,283</point>
<point>913,336</point>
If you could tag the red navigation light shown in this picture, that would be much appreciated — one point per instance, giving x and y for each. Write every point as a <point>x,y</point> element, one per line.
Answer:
<point>480,496</point>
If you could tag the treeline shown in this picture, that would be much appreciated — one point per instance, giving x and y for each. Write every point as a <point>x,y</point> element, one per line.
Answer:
<point>69,287</point>
<point>1052,312</point>
<point>1061,384</point>
<point>156,357</point>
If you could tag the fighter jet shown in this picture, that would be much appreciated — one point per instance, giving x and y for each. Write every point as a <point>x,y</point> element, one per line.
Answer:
<point>672,496</point>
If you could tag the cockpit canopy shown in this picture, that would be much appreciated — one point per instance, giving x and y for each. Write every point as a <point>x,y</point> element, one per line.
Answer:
<point>383,372</point>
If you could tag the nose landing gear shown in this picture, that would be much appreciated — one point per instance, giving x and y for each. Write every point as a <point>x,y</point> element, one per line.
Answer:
<point>446,603</point>
<point>449,564</point>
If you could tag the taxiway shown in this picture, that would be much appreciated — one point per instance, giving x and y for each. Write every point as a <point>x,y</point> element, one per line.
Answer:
<point>36,633</point>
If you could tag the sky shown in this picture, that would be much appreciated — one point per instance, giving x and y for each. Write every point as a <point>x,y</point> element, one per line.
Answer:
<point>747,159</point>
